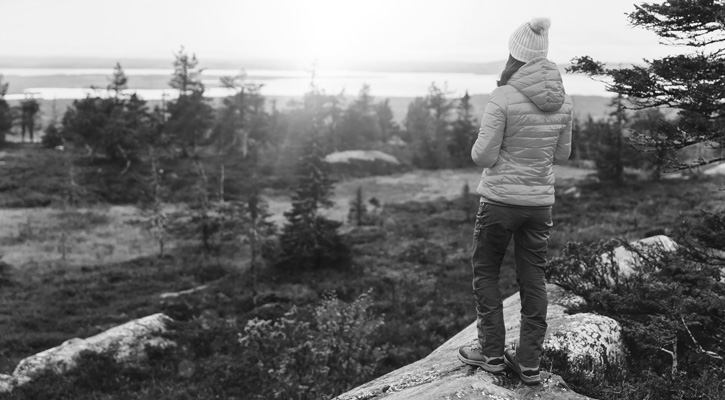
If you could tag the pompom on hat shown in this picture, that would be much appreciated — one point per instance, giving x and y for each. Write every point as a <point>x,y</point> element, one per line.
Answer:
<point>530,40</point>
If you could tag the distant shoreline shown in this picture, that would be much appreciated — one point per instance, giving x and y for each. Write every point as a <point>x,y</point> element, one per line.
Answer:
<point>57,82</point>
<point>584,106</point>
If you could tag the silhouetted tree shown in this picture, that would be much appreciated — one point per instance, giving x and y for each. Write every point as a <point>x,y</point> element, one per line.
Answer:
<point>691,83</point>
<point>386,122</point>
<point>189,116</point>
<point>463,134</point>
<point>6,119</point>
<point>118,82</point>
<point>29,109</point>
<point>187,77</point>
<point>419,131</point>
<point>427,126</point>
<point>241,117</point>
<point>611,160</point>
<point>440,107</point>
<point>120,127</point>
<point>359,127</point>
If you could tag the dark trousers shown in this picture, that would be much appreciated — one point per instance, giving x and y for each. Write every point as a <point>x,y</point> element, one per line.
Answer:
<point>530,228</point>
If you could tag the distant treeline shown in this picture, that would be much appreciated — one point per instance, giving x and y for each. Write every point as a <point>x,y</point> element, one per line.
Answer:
<point>437,131</point>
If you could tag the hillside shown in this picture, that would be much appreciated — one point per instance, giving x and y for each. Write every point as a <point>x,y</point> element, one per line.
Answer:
<point>75,272</point>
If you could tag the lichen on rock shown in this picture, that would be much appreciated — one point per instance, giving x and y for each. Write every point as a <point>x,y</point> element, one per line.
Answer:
<point>591,342</point>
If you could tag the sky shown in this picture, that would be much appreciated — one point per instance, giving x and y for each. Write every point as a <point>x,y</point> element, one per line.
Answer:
<point>326,31</point>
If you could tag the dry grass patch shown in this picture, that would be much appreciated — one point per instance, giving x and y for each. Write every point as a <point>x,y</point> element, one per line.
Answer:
<point>96,235</point>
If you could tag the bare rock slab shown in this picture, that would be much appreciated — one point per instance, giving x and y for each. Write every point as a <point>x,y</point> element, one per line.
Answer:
<point>7,383</point>
<point>585,338</point>
<point>126,343</point>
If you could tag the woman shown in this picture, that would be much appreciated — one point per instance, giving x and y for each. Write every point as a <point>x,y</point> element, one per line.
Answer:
<point>526,128</point>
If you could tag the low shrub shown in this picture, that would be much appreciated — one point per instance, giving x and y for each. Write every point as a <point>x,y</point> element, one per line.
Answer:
<point>671,308</point>
<point>303,359</point>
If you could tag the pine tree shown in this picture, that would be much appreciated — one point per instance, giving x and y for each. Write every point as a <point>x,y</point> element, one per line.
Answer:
<point>359,127</point>
<point>336,118</point>
<point>463,134</point>
<point>440,107</point>
<point>118,82</point>
<point>419,131</point>
<point>3,87</point>
<point>690,83</point>
<point>615,141</point>
<point>241,119</point>
<point>190,115</point>
<point>6,119</point>
<point>607,157</point>
<point>310,240</point>
<point>358,209</point>
<point>186,77</point>
<point>386,120</point>
<point>427,126</point>
<point>29,114</point>
<point>120,127</point>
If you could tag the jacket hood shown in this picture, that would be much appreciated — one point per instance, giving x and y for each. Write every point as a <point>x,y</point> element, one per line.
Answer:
<point>540,81</point>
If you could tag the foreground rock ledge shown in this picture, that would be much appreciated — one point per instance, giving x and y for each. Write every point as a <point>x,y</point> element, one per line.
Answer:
<point>126,343</point>
<point>586,338</point>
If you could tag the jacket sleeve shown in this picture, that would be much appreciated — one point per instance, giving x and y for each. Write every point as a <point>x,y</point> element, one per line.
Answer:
<point>486,149</point>
<point>563,146</point>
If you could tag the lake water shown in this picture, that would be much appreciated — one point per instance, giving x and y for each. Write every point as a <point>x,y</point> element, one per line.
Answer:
<point>285,83</point>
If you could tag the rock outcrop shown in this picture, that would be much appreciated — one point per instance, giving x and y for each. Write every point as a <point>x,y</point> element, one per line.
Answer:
<point>126,343</point>
<point>588,340</point>
<point>628,260</point>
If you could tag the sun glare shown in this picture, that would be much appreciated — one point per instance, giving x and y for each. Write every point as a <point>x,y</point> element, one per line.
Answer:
<point>334,32</point>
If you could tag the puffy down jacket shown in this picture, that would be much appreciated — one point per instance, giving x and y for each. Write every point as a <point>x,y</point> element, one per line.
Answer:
<point>526,127</point>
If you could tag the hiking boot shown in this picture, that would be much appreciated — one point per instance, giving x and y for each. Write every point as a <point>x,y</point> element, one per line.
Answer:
<point>529,376</point>
<point>472,355</point>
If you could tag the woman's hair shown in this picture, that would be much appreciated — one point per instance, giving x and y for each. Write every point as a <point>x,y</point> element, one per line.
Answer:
<point>512,65</point>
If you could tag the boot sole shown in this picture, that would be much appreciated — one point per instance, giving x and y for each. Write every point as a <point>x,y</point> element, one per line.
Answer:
<point>497,369</point>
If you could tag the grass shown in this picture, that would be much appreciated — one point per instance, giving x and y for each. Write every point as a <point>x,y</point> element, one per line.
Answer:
<point>91,235</point>
<point>46,305</point>
<point>633,210</point>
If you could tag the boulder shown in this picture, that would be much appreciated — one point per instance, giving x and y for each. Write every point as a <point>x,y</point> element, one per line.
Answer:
<point>590,341</point>
<point>126,343</point>
<point>360,155</point>
<point>718,169</point>
<point>363,163</point>
<point>628,260</point>
<point>587,339</point>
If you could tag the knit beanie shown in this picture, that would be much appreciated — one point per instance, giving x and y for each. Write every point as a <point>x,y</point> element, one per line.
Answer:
<point>530,40</point>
